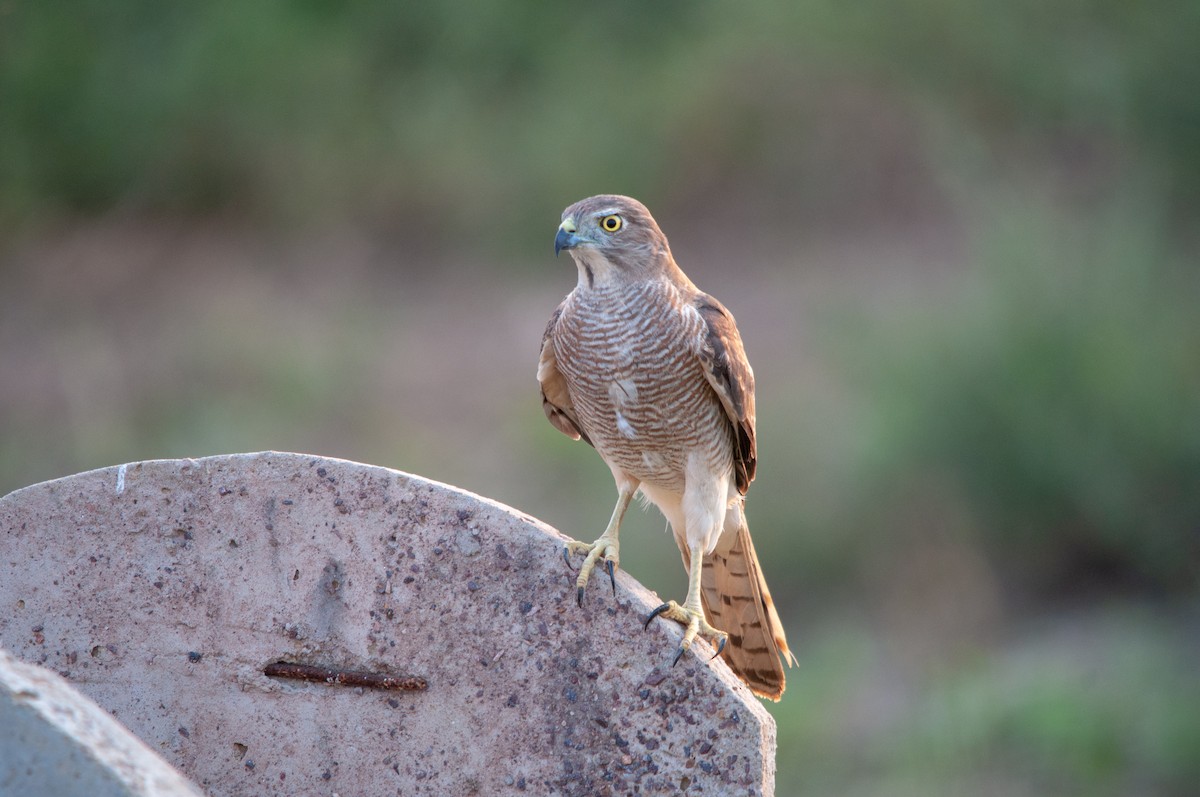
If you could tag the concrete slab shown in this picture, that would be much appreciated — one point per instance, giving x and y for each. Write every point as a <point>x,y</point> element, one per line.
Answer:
<point>163,589</point>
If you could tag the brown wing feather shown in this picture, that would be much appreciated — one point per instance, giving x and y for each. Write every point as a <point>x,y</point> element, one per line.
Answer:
<point>728,371</point>
<point>556,400</point>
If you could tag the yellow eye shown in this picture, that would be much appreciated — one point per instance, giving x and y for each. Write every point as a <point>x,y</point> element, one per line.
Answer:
<point>611,223</point>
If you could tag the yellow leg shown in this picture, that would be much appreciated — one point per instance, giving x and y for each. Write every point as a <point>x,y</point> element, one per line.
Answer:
<point>605,548</point>
<point>691,613</point>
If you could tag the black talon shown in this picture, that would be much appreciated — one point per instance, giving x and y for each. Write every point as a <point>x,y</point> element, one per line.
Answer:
<point>579,597</point>
<point>678,655</point>
<point>612,577</point>
<point>567,556</point>
<point>720,647</point>
<point>655,613</point>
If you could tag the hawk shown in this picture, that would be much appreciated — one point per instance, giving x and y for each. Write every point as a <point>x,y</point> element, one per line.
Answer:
<point>650,371</point>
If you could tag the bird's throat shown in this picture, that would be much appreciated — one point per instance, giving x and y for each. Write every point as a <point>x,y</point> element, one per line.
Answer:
<point>595,271</point>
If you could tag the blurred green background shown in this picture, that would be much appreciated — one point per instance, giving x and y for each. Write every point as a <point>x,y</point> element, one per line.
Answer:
<point>960,239</point>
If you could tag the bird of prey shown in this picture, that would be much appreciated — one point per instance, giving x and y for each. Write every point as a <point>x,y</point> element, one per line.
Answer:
<point>649,370</point>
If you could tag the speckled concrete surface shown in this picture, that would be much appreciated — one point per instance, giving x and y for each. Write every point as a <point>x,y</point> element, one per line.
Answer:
<point>162,589</point>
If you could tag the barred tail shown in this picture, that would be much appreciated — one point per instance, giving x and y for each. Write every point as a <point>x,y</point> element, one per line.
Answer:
<point>737,601</point>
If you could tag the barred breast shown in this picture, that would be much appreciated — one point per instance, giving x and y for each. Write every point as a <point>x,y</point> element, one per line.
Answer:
<point>628,355</point>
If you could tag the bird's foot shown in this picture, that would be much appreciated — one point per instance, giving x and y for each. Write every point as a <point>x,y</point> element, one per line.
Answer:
<point>604,549</point>
<point>695,625</point>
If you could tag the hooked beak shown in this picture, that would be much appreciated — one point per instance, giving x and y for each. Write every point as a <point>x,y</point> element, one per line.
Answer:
<point>566,237</point>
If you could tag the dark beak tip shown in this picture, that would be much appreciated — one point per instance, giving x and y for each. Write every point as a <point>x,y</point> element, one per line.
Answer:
<point>563,240</point>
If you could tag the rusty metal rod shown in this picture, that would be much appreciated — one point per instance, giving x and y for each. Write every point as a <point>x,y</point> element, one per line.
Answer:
<point>326,675</point>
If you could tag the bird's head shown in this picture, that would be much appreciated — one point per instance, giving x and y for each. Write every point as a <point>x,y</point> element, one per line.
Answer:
<point>612,238</point>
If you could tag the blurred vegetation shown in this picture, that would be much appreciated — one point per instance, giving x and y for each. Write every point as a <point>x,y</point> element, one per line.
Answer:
<point>1057,391</point>
<point>1048,716</point>
<point>959,238</point>
<point>426,115</point>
